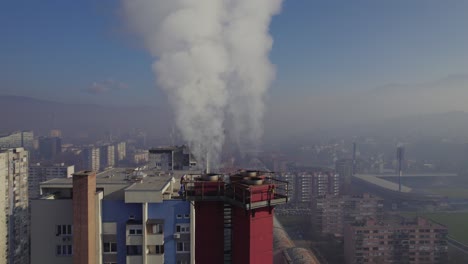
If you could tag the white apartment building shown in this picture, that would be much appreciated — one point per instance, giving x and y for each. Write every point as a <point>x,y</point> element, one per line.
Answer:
<point>14,225</point>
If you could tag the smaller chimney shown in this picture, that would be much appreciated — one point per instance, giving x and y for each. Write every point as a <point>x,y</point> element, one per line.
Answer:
<point>84,217</point>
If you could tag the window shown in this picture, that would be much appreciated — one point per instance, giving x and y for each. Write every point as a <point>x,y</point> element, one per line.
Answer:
<point>134,250</point>
<point>64,250</point>
<point>154,228</point>
<point>110,247</point>
<point>135,231</point>
<point>179,216</point>
<point>187,216</point>
<point>156,250</point>
<point>64,230</point>
<point>183,246</point>
<point>183,228</point>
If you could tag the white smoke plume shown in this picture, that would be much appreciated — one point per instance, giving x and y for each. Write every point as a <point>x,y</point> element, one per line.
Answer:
<point>211,58</point>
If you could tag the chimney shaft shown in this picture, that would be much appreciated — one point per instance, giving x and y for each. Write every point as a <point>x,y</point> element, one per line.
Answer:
<point>84,217</point>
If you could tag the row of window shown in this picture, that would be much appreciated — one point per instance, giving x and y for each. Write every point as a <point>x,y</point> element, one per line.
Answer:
<point>111,247</point>
<point>158,229</point>
<point>183,247</point>
<point>63,230</point>
<point>183,228</point>
<point>180,216</point>
<point>64,250</point>
<point>135,231</point>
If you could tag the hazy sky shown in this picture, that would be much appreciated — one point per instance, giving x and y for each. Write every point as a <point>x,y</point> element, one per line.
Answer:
<point>70,50</point>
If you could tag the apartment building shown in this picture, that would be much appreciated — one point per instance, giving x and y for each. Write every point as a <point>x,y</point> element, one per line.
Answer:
<point>19,139</point>
<point>396,241</point>
<point>122,215</point>
<point>120,151</point>
<point>14,225</point>
<point>171,158</point>
<point>42,172</point>
<point>330,213</point>
<point>91,159</point>
<point>107,156</point>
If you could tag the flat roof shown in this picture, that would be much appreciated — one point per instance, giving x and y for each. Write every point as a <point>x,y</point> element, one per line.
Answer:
<point>442,174</point>
<point>383,183</point>
<point>143,180</point>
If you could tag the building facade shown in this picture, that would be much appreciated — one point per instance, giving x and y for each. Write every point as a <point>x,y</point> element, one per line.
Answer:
<point>107,156</point>
<point>330,213</point>
<point>140,157</point>
<point>50,147</point>
<point>91,159</point>
<point>19,139</point>
<point>14,225</point>
<point>40,173</point>
<point>400,241</point>
<point>120,151</point>
<point>306,185</point>
<point>344,168</point>
<point>171,158</point>
<point>137,217</point>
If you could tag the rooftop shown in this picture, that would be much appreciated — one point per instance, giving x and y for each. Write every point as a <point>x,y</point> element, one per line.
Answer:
<point>383,183</point>
<point>118,181</point>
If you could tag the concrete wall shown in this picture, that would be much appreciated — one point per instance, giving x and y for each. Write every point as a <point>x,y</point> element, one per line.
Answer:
<point>119,212</point>
<point>252,236</point>
<point>3,204</point>
<point>45,216</point>
<point>168,210</point>
<point>209,226</point>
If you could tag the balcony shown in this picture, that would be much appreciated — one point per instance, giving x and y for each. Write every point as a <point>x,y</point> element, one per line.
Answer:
<point>155,258</point>
<point>135,259</point>
<point>134,240</point>
<point>154,239</point>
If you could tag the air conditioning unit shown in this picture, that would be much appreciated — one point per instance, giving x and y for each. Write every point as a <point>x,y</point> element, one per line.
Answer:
<point>176,236</point>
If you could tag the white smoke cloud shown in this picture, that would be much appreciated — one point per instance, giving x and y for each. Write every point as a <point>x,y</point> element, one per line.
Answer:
<point>212,61</point>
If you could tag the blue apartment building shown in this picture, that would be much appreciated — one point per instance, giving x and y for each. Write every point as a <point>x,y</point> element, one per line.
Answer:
<point>137,214</point>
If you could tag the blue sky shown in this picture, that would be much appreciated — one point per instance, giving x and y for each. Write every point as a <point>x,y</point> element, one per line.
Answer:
<point>70,50</point>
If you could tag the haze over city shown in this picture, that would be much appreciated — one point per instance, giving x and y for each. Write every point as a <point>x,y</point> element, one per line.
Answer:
<point>323,51</point>
<point>294,131</point>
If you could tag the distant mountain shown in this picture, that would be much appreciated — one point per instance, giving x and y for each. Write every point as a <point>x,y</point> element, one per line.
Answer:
<point>17,112</point>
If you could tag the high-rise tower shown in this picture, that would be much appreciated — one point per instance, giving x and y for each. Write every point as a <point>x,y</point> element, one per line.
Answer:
<point>14,224</point>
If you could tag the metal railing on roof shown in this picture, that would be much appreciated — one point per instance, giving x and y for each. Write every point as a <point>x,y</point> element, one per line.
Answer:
<point>237,193</point>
